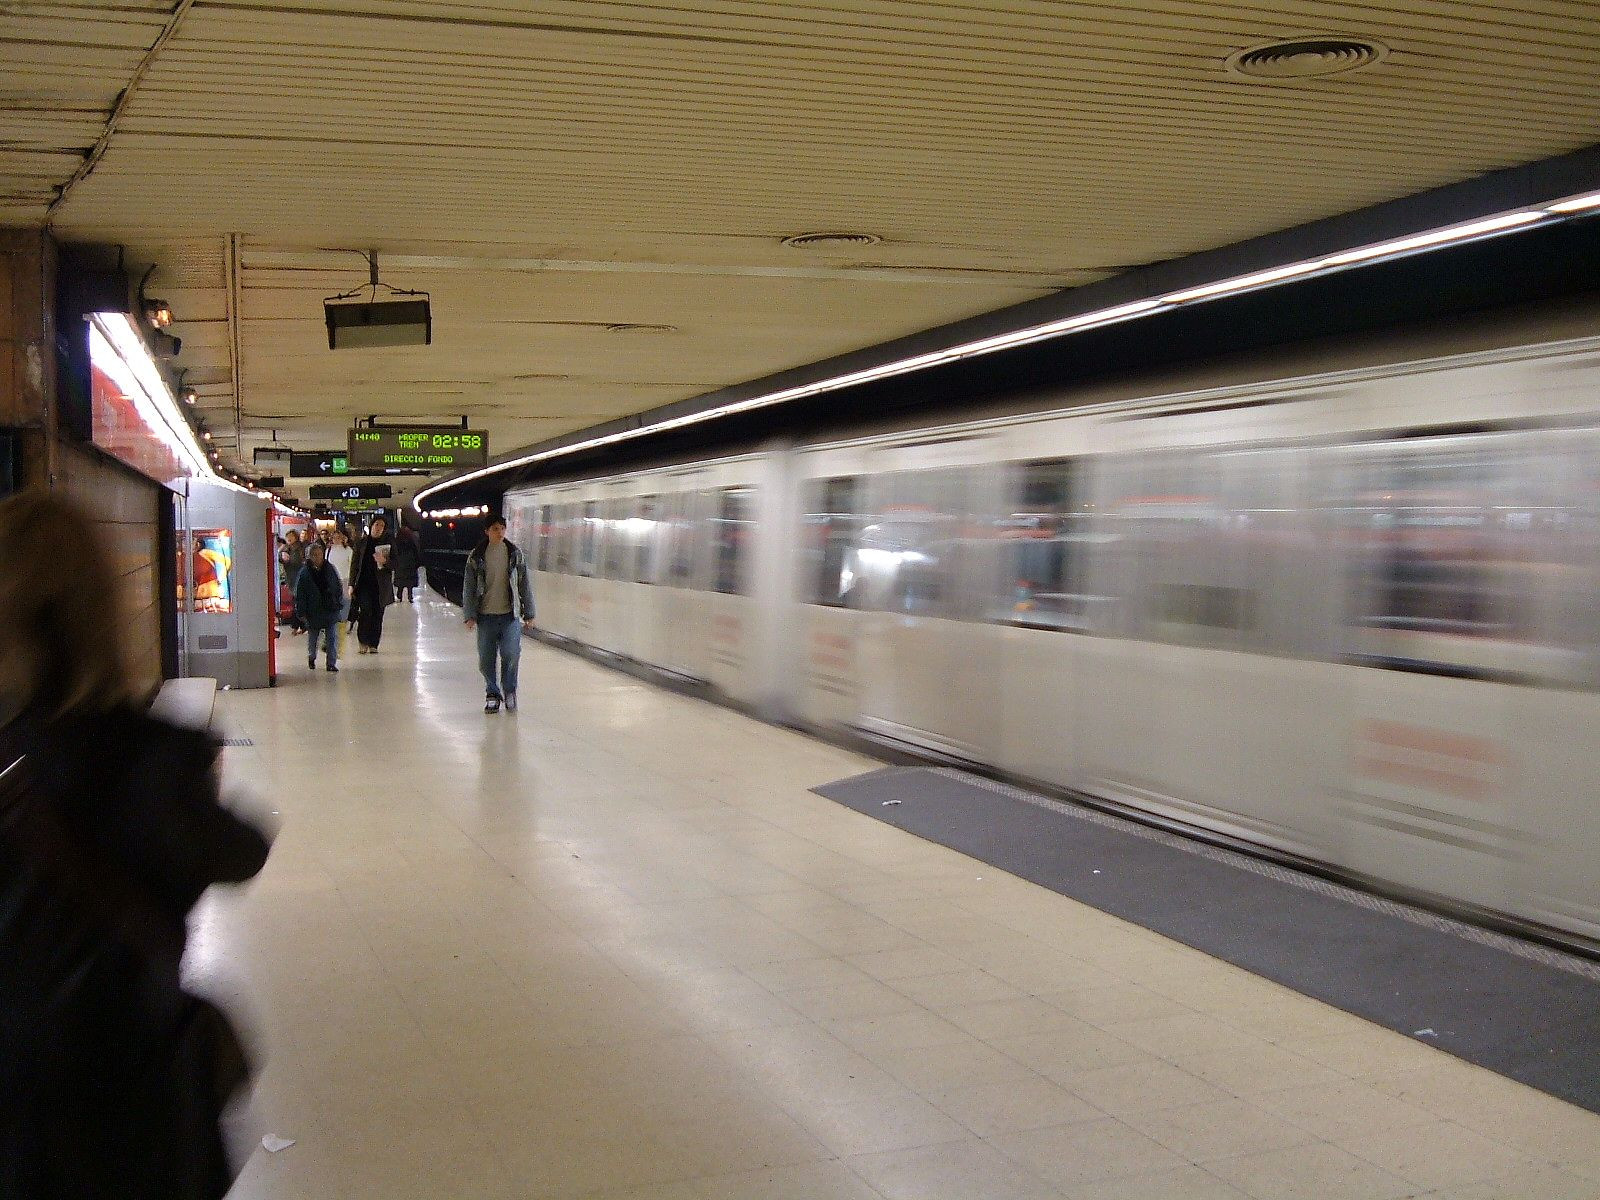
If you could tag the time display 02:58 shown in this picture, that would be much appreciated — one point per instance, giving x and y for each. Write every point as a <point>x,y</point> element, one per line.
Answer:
<point>441,449</point>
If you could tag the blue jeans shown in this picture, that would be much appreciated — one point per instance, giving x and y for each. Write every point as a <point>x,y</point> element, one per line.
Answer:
<point>329,633</point>
<point>499,633</point>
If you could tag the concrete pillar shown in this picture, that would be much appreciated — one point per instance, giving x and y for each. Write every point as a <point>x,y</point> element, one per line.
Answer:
<point>27,351</point>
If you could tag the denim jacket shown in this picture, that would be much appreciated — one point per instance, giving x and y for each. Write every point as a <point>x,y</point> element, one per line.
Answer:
<point>477,579</point>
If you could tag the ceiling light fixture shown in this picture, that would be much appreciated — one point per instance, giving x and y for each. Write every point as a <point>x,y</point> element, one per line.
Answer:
<point>1450,235</point>
<point>356,323</point>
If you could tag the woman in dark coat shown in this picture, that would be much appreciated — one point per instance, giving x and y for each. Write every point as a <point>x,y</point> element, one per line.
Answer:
<point>372,585</point>
<point>112,1077</point>
<point>407,563</point>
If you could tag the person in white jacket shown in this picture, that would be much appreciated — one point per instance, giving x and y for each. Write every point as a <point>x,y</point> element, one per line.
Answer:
<point>340,557</point>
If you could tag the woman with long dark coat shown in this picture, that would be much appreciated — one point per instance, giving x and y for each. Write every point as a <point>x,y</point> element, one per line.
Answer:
<point>372,585</point>
<point>112,1077</point>
<point>407,564</point>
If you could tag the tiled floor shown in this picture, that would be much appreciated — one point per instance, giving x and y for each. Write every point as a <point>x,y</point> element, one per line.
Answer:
<point>611,946</point>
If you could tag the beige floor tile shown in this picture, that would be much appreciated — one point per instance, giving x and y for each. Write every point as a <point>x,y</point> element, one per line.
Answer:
<point>811,1181</point>
<point>1370,1051</point>
<point>957,989</point>
<point>1543,1183</point>
<point>555,957</point>
<point>1218,1129</point>
<point>1008,1018</point>
<point>824,971</point>
<point>966,1170</point>
<point>915,1029</point>
<point>1312,1172</point>
<point>1176,1037</point>
<point>1348,1113</point>
<point>950,1066</point>
<point>1114,1004</point>
<point>1442,1154</point>
<point>902,1121</point>
<point>1264,1070</point>
<point>1188,1183</point>
<point>1141,1087</point>
<point>890,965</point>
<point>1061,1054</point>
<point>752,1139</point>
<point>1015,1106</point>
<point>1088,1151</point>
<point>869,999</point>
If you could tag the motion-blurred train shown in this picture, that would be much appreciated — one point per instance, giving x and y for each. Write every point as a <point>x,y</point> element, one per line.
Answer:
<point>1350,618</point>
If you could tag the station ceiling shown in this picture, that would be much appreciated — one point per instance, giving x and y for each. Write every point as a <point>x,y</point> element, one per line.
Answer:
<point>597,194</point>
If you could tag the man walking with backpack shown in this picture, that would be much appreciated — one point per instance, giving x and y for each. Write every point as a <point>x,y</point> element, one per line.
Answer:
<point>498,601</point>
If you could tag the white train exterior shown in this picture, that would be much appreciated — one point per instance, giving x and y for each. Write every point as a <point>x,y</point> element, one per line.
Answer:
<point>1351,617</point>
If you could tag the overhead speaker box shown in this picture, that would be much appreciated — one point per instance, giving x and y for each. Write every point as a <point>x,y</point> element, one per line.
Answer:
<point>361,324</point>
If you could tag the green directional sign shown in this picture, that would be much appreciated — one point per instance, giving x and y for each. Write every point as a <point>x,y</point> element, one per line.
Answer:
<point>318,464</point>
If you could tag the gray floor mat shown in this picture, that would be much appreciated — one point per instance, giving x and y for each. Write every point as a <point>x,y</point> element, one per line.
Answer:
<point>1525,1011</point>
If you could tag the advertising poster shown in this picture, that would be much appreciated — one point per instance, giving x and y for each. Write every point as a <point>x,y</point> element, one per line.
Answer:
<point>212,552</point>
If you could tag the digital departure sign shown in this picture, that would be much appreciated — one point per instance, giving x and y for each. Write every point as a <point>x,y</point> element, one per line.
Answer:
<point>430,449</point>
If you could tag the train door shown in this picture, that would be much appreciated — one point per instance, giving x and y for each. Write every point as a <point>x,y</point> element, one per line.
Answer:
<point>587,536</point>
<point>641,571</point>
<point>540,551</point>
<point>731,634</point>
<point>554,603</point>
<point>829,619</point>
<point>1438,538</point>
<point>681,591</point>
<point>611,603</point>
<point>1201,708</point>
<point>930,672</point>
<point>1557,873</point>
<point>1042,609</point>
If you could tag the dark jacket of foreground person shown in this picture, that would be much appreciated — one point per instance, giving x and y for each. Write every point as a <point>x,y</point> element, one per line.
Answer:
<point>112,1078</point>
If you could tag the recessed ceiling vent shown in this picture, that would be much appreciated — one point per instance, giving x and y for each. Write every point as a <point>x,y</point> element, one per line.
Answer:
<point>639,327</point>
<point>831,241</point>
<point>1306,58</point>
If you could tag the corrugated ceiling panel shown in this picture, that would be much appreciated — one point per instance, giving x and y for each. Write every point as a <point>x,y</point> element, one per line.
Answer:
<point>1002,148</point>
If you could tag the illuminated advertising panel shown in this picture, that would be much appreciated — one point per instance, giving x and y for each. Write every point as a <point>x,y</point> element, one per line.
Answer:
<point>211,558</point>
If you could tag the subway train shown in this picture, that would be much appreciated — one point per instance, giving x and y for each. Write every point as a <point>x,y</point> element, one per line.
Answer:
<point>1349,618</point>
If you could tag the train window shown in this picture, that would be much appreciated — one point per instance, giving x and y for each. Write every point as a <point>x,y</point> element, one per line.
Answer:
<point>616,528</point>
<point>1446,544</point>
<point>910,558</point>
<point>646,528</point>
<point>829,531</point>
<point>1198,540</point>
<point>1041,544</point>
<point>567,539</point>
<point>682,541</point>
<point>545,531</point>
<point>588,539</point>
<point>732,533</point>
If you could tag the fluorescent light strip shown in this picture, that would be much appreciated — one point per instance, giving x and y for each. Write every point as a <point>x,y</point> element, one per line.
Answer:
<point>133,370</point>
<point>1393,248</point>
<point>1576,204</point>
<point>1439,237</point>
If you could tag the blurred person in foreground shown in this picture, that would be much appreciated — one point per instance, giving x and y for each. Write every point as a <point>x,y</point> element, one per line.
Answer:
<point>112,1078</point>
<point>498,602</point>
